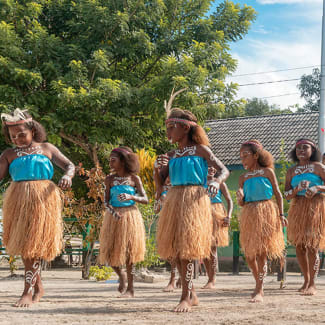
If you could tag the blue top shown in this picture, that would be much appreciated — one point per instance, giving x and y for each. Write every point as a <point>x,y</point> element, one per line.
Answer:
<point>313,178</point>
<point>217,198</point>
<point>31,168</point>
<point>257,189</point>
<point>188,170</point>
<point>116,190</point>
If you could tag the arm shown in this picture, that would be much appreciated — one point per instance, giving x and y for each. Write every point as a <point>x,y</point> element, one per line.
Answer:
<point>157,181</point>
<point>289,192</point>
<point>141,197</point>
<point>213,161</point>
<point>4,165</point>
<point>109,207</point>
<point>225,192</point>
<point>312,191</point>
<point>271,176</point>
<point>240,191</point>
<point>64,163</point>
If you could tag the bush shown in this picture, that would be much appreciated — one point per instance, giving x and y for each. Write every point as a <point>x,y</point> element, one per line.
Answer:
<point>100,273</point>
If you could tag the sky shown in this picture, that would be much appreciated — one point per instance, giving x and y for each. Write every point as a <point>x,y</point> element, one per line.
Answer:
<point>285,35</point>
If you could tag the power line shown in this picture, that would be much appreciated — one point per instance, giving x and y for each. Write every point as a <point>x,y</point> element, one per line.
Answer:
<point>289,94</point>
<point>265,72</point>
<point>268,82</point>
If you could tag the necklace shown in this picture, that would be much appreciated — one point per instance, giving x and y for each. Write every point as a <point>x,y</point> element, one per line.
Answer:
<point>255,172</point>
<point>28,151</point>
<point>191,150</point>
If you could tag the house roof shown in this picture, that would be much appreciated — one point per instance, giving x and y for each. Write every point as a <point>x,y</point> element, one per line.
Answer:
<point>226,135</point>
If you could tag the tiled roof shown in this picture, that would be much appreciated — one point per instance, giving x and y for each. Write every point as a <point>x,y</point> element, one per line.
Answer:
<point>227,135</point>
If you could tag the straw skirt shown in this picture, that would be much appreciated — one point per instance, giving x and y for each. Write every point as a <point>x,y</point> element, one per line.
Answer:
<point>32,221</point>
<point>220,233</point>
<point>122,240</point>
<point>185,224</point>
<point>306,219</point>
<point>261,230</point>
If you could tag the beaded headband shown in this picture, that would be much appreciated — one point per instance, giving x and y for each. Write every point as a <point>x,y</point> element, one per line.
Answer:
<point>305,142</point>
<point>121,150</point>
<point>181,120</point>
<point>253,143</point>
<point>18,117</point>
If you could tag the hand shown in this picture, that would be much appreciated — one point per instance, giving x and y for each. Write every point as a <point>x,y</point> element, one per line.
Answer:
<point>284,221</point>
<point>303,185</point>
<point>213,189</point>
<point>125,197</point>
<point>162,161</point>
<point>65,182</point>
<point>226,222</point>
<point>311,192</point>
<point>240,195</point>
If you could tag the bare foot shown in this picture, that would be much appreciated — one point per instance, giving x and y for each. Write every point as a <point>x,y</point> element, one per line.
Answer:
<point>26,300</point>
<point>183,307</point>
<point>170,288</point>
<point>257,298</point>
<point>209,285</point>
<point>253,294</point>
<point>304,287</point>
<point>310,291</point>
<point>122,286</point>
<point>179,283</point>
<point>127,294</point>
<point>194,299</point>
<point>38,293</point>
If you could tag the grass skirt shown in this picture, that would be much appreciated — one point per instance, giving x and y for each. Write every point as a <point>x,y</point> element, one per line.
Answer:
<point>261,230</point>
<point>32,222</point>
<point>185,224</point>
<point>122,240</point>
<point>220,233</point>
<point>306,219</point>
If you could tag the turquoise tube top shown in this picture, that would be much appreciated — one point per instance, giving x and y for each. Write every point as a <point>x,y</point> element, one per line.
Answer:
<point>257,189</point>
<point>188,170</point>
<point>313,178</point>
<point>116,190</point>
<point>31,168</point>
<point>217,198</point>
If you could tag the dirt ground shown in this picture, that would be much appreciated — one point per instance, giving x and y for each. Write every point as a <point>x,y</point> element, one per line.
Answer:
<point>70,300</point>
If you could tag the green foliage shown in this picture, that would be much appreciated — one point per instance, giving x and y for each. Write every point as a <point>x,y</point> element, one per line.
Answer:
<point>309,87</point>
<point>283,161</point>
<point>256,106</point>
<point>234,222</point>
<point>100,273</point>
<point>151,257</point>
<point>97,72</point>
<point>12,261</point>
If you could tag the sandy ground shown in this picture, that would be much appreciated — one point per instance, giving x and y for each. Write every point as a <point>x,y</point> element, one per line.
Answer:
<point>70,300</point>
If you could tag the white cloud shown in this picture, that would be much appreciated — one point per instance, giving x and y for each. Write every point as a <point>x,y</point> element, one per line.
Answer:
<point>272,2</point>
<point>275,55</point>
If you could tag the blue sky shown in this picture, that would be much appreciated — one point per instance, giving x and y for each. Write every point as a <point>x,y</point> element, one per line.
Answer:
<point>285,35</point>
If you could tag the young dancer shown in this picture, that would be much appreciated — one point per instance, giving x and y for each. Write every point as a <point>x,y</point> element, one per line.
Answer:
<point>122,235</point>
<point>185,222</point>
<point>261,235</point>
<point>304,184</point>
<point>221,222</point>
<point>32,223</point>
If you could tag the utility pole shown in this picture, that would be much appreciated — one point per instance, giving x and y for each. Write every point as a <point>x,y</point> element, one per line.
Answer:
<point>321,120</point>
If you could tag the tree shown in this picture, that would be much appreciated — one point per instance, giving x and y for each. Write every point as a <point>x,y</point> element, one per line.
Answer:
<point>96,72</point>
<point>309,87</point>
<point>256,106</point>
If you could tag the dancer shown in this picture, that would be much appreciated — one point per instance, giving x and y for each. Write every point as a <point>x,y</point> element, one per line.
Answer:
<point>261,234</point>
<point>304,184</point>
<point>32,222</point>
<point>122,235</point>
<point>221,222</point>
<point>185,222</point>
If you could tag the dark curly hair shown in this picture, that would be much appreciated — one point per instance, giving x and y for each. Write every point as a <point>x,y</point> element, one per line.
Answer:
<point>196,133</point>
<point>39,133</point>
<point>265,158</point>
<point>129,159</point>
<point>315,156</point>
